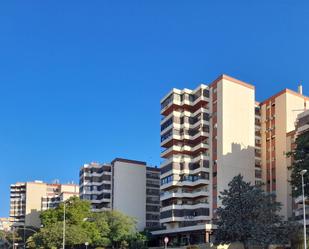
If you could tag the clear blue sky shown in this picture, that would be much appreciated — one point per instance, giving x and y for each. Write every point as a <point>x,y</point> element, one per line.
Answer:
<point>81,81</point>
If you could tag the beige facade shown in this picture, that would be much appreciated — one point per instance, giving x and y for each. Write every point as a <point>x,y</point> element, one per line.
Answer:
<point>278,116</point>
<point>30,198</point>
<point>235,139</point>
<point>5,224</point>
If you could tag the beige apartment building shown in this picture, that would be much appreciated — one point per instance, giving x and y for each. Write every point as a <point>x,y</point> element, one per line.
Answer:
<point>128,186</point>
<point>28,199</point>
<point>279,114</point>
<point>211,134</point>
<point>5,224</point>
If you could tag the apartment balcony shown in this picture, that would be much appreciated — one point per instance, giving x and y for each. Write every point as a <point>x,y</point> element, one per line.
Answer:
<point>194,183</point>
<point>185,170</point>
<point>187,104</point>
<point>97,192</point>
<point>197,112</point>
<point>187,183</point>
<point>174,114</point>
<point>174,149</point>
<point>185,113</point>
<point>100,200</point>
<point>185,218</point>
<point>182,194</point>
<point>176,137</point>
<point>185,159</point>
<point>257,154</point>
<point>186,149</point>
<point>170,105</point>
<point>185,126</point>
<point>299,211</point>
<point>185,206</point>
<point>258,135</point>
<point>258,144</point>
<point>94,174</point>
<point>90,183</point>
<point>100,209</point>
<point>302,128</point>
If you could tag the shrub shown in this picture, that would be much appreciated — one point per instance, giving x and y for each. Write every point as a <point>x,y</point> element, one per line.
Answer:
<point>193,247</point>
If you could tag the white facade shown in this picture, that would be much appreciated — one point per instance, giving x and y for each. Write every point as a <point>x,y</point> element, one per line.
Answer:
<point>129,190</point>
<point>128,186</point>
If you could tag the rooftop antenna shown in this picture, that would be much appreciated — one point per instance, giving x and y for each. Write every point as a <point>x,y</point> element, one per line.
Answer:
<point>300,89</point>
<point>56,181</point>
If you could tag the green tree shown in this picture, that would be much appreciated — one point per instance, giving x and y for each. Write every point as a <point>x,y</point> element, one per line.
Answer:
<point>250,216</point>
<point>300,161</point>
<point>121,227</point>
<point>7,238</point>
<point>138,241</point>
<point>79,228</point>
<point>108,228</point>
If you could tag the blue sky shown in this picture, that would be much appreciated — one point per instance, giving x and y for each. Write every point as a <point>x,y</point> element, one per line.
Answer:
<point>81,81</point>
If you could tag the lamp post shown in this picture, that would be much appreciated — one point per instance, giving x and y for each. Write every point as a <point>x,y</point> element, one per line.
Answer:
<point>63,231</point>
<point>304,171</point>
<point>29,229</point>
<point>86,244</point>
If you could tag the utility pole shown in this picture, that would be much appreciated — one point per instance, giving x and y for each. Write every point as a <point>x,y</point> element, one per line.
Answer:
<point>63,235</point>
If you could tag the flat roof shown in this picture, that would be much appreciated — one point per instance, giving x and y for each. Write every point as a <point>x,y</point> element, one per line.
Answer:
<point>226,77</point>
<point>286,90</point>
<point>124,160</point>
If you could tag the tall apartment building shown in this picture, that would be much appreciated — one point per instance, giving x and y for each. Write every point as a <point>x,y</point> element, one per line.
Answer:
<point>29,198</point>
<point>125,185</point>
<point>279,114</point>
<point>209,135</point>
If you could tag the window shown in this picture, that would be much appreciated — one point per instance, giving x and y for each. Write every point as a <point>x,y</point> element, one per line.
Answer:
<point>166,124</point>
<point>167,179</point>
<point>206,93</point>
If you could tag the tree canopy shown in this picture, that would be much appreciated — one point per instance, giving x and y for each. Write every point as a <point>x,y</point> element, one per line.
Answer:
<point>250,216</point>
<point>108,228</point>
<point>300,161</point>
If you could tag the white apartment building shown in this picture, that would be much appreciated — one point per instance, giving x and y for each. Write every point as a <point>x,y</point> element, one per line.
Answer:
<point>211,134</point>
<point>128,186</point>
<point>28,199</point>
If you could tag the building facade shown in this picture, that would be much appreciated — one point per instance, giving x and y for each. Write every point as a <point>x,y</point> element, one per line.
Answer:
<point>5,224</point>
<point>301,127</point>
<point>128,186</point>
<point>28,199</point>
<point>211,134</point>
<point>279,114</point>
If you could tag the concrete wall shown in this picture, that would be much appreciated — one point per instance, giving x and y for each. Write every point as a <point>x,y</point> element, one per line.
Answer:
<point>235,139</point>
<point>69,188</point>
<point>34,193</point>
<point>129,191</point>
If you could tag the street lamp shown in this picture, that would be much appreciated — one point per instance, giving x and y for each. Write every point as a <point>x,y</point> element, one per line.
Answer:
<point>304,171</point>
<point>86,244</point>
<point>63,232</point>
